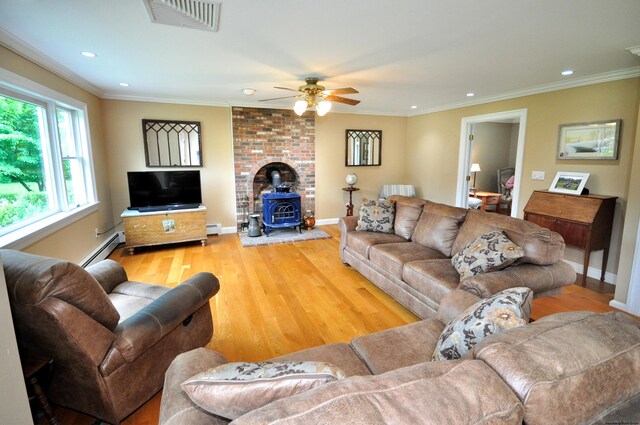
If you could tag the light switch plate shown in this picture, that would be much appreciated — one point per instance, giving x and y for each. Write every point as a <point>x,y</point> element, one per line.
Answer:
<point>537,175</point>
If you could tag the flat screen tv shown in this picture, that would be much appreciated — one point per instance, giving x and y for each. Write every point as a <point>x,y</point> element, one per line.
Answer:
<point>164,190</point>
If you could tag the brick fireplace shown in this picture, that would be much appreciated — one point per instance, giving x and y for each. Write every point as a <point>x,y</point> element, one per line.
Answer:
<point>266,139</point>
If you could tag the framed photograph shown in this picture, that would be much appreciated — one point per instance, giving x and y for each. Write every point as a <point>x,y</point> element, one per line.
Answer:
<point>589,140</point>
<point>567,182</point>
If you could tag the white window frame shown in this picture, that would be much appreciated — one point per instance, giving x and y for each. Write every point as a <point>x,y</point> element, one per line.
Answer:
<point>64,215</point>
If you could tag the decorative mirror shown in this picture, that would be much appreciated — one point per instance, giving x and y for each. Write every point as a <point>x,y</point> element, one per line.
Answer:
<point>172,143</point>
<point>364,148</point>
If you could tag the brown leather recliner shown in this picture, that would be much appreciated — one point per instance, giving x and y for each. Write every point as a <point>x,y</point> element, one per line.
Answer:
<point>111,340</point>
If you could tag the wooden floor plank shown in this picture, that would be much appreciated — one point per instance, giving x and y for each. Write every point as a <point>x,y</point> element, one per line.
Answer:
<point>283,298</point>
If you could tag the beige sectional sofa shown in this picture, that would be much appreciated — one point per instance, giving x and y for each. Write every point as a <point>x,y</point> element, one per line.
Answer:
<point>413,264</point>
<point>568,368</point>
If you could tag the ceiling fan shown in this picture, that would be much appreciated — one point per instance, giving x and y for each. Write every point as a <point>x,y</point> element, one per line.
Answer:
<point>313,94</point>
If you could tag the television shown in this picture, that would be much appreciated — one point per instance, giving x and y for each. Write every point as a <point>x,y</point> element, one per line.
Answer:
<point>164,190</point>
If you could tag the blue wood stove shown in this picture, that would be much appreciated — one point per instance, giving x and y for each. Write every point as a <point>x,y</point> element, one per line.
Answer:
<point>281,210</point>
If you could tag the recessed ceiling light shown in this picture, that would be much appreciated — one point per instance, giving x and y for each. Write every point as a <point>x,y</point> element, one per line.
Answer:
<point>124,84</point>
<point>248,91</point>
<point>567,72</point>
<point>470,94</point>
<point>414,107</point>
<point>88,54</point>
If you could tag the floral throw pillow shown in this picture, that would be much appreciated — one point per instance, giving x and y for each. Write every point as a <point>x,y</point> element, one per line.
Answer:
<point>505,310</point>
<point>232,389</point>
<point>376,216</point>
<point>489,252</point>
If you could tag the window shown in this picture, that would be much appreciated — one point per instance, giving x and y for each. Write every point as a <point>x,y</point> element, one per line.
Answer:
<point>45,163</point>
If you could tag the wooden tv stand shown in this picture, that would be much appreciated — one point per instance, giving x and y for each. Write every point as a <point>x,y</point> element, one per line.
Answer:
<point>164,227</point>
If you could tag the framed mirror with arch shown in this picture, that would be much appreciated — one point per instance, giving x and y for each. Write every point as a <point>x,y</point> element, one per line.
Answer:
<point>363,148</point>
<point>172,143</point>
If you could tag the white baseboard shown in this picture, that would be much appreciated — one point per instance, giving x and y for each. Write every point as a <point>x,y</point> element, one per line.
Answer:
<point>104,249</point>
<point>618,304</point>
<point>214,229</point>
<point>326,221</point>
<point>228,230</point>
<point>594,272</point>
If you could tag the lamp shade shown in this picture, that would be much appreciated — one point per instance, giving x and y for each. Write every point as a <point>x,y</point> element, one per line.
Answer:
<point>323,107</point>
<point>475,167</point>
<point>300,107</point>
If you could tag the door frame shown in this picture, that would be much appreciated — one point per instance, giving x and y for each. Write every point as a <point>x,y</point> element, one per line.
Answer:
<point>464,159</point>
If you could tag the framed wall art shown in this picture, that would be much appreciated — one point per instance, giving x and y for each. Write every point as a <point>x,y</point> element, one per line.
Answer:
<point>590,140</point>
<point>568,182</point>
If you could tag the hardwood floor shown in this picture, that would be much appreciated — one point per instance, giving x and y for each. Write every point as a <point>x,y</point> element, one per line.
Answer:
<point>283,298</point>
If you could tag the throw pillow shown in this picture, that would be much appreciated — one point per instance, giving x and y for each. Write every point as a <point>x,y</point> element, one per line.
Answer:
<point>487,253</point>
<point>232,389</point>
<point>505,310</point>
<point>376,216</point>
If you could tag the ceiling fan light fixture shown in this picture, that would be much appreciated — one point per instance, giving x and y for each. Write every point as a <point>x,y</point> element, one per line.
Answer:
<point>323,107</point>
<point>300,107</point>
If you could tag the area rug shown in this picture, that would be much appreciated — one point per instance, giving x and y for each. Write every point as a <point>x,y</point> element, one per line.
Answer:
<point>277,236</point>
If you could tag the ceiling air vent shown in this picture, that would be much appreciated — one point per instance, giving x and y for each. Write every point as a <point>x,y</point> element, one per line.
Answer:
<point>196,14</point>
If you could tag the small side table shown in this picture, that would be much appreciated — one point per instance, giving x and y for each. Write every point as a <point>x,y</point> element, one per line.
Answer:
<point>350,189</point>
<point>487,198</point>
<point>30,370</point>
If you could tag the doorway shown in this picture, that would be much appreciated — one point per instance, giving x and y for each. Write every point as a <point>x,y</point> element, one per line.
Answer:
<point>470,148</point>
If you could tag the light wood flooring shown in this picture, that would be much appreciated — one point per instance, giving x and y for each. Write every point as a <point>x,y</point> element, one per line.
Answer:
<point>283,298</point>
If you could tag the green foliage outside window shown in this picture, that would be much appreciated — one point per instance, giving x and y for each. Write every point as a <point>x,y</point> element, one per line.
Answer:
<point>22,182</point>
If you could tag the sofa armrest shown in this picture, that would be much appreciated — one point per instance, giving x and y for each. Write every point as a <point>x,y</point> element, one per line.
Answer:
<point>347,224</point>
<point>146,327</point>
<point>108,273</point>
<point>538,278</point>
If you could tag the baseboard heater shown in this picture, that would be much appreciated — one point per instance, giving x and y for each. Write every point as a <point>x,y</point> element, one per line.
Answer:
<point>103,251</point>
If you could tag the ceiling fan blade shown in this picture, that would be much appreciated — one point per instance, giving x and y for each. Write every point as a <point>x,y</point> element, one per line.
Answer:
<point>285,88</point>
<point>341,99</point>
<point>345,90</point>
<point>276,98</point>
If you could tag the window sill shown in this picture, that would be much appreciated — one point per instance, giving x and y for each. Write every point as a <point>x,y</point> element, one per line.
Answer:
<point>32,233</point>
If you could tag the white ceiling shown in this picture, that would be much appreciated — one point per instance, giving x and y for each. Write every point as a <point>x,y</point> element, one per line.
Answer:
<point>427,53</point>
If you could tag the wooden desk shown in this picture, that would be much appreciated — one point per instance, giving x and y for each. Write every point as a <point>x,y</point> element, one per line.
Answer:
<point>584,221</point>
<point>487,198</point>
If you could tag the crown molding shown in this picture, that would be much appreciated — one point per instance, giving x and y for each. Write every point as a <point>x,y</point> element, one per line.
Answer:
<point>152,99</point>
<point>605,77</point>
<point>23,49</point>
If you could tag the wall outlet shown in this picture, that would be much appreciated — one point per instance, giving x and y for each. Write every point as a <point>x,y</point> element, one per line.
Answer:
<point>537,175</point>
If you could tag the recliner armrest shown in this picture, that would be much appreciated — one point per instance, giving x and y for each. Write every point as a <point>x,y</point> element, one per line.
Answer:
<point>142,330</point>
<point>538,278</point>
<point>108,273</point>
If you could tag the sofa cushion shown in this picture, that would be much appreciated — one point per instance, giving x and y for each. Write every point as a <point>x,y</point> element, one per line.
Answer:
<point>575,366</point>
<point>376,216</point>
<point>233,389</point>
<point>432,278</point>
<point>456,392</point>
<point>541,246</point>
<point>412,344</point>
<point>507,309</point>
<point>361,242</point>
<point>393,256</point>
<point>487,253</point>
<point>340,355</point>
<point>408,212</point>
<point>438,227</point>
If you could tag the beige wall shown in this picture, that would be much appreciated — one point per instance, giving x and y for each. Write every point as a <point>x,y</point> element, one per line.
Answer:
<point>77,239</point>
<point>433,146</point>
<point>123,133</point>
<point>330,159</point>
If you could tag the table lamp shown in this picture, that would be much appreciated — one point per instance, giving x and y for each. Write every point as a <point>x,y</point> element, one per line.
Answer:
<point>475,167</point>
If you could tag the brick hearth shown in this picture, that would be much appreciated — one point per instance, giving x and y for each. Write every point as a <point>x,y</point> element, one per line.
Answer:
<point>265,136</point>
